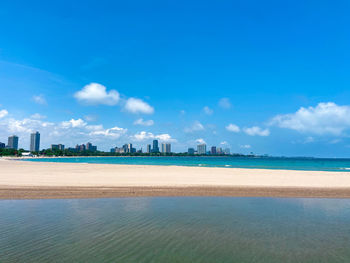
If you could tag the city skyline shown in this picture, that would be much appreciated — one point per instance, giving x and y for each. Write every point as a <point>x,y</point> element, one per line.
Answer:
<point>126,148</point>
<point>143,73</point>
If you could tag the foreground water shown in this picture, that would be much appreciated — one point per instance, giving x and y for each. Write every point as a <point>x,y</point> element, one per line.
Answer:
<point>184,229</point>
<point>313,164</point>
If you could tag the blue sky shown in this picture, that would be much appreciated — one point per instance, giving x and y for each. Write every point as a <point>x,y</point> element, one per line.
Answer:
<point>267,77</point>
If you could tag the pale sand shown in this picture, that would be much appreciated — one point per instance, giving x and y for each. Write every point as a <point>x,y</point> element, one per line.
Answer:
<point>19,179</point>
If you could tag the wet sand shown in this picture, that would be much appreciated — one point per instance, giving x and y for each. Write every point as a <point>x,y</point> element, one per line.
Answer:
<point>42,180</point>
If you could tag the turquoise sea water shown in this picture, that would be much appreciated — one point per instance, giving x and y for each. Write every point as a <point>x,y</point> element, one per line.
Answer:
<point>314,164</point>
<point>181,229</point>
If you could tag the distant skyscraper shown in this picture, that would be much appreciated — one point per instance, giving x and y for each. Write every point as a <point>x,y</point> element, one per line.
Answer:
<point>125,148</point>
<point>190,151</point>
<point>155,146</point>
<point>213,150</point>
<point>80,148</point>
<point>35,142</point>
<point>90,147</point>
<point>149,149</point>
<point>57,147</point>
<point>227,151</point>
<point>202,148</point>
<point>130,149</point>
<point>54,147</point>
<point>166,148</point>
<point>61,147</point>
<point>2,145</point>
<point>13,142</point>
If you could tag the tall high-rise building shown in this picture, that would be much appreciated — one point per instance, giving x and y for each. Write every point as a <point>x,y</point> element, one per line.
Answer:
<point>149,149</point>
<point>227,151</point>
<point>61,147</point>
<point>166,148</point>
<point>54,147</point>
<point>12,142</point>
<point>130,149</point>
<point>155,146</point>
<point>35,142</point>
<point>190,151</point>
<point>202,148</point>
<point>125,148</point>
<point>80,148</point>
<point>90,147</point>
<point>2,145</point>
<point>213,150</point>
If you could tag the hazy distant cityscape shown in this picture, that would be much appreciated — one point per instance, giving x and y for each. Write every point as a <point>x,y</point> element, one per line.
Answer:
<point>154,148</point>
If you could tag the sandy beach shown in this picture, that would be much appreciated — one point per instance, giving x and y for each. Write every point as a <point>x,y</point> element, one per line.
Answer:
<point>33,180</point>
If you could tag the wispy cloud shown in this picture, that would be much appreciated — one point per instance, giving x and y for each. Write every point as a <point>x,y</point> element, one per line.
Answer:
<point>257,131</point>
<point>39,99</point>
<point>233,128</point>
<point>3,113</point>
<point>143,122</point>
<point>225,103</point>
<point>136,106</point>
<point>196,126</point>
<point>208,110</point>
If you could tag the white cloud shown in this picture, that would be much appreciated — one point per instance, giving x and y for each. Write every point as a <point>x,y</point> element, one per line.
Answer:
<point>165,138</point>
<point>255,130</point>
<point>26,125</point>
<point>39,99</point>
<point>134,105</point>
<point>309,139</point>
<point>94,127</point>
<point>94,94</point>
<point>233,128</point>
<point>245,146</point>
<point>224,143</point>
<point>196,126</point>
<point>208,110</point>
<point>38,116</point>
<point>142,136</point>
<point>90,117</point>
<point>325,118</point>
<point>143,122</point>
<point>200,141</point>
<point>79,123</point>
<point>3,113</point>
<point>225,103</point>
<point>114,132</point>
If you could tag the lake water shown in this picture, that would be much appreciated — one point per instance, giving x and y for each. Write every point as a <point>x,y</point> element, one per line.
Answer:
<point>314,164</point>
<point>181,229</point>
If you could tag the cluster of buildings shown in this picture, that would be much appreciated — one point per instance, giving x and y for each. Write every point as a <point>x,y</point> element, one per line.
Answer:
<point>84,147</point>
<point>202,149</point>
<point>34,146</point>
<point>126,148</point>
<point>12,142</point>
<point>166,147</point>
